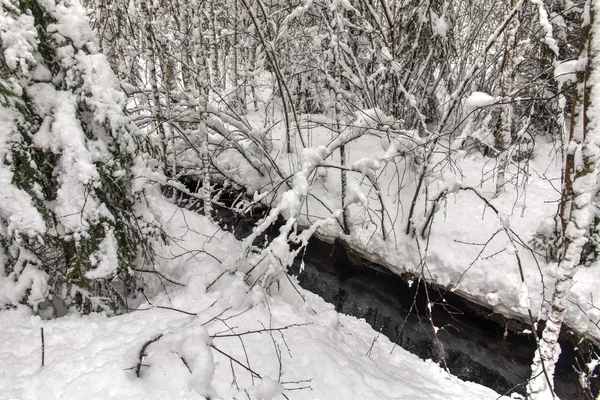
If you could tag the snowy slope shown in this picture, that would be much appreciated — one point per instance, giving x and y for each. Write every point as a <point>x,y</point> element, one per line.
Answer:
<point>324,354</point>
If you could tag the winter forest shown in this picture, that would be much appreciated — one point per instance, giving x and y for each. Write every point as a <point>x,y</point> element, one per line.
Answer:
<point>299,199</point>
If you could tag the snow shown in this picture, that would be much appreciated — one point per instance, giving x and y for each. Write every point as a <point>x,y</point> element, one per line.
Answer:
<point>465,252</point>
<point>71,22</point>
<point>565,72</point>
<point>29,281</point>
<point>19,38</point>
<point>298,12</point>
<point>385,52</point>
<point>489,277</point>
<point>524,296</point>
<point>371,118</point>
<point>492,298</point>
<point>16,208</point>
<point>439,25</point>
<point>268,389</point>
<point>366,166</point>
<point>479,99</point>
<point>547,26</point>
<point>105,259</point>
<point>448,183</point>
<point>356,195</point>
<point>94,356</point>
<point>76,165</point>
<point>510,248</point>
<point>467,248</point>
<point>344,4</point>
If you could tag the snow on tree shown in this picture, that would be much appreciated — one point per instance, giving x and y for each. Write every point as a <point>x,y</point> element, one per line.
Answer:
<point>429,82</point>
<point>577,211</point>
<point>74,219</point>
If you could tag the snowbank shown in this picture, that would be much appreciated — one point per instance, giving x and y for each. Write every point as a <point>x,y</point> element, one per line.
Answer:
<point>323,355</point>
<point>466,248</point>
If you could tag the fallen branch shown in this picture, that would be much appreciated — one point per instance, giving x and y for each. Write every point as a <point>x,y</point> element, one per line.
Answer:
<point>159,274</point>
<point>138,368</point>
<point>257,331</point>
<point>166,307</point>
<point>237,362</point>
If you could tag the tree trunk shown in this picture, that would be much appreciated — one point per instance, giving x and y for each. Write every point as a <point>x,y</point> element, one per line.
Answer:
<point>202,84</point>
<point>151,48</point>
<point>579,188</point>
<point>214,51</point>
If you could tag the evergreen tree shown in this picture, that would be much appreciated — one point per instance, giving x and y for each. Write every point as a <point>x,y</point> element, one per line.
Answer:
<point>74,219</point>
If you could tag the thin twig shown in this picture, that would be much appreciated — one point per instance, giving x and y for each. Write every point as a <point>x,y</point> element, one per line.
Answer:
<point>143,354</point>
<point>43,347</point>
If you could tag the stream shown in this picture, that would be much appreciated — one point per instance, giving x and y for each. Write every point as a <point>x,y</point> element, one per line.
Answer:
<point>471,345</point>
<point>474,343</point>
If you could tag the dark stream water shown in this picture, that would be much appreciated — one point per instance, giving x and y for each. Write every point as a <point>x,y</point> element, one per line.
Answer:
<point>472,342</point>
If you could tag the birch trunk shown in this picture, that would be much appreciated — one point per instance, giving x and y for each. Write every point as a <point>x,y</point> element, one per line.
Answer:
<point>203,84</point>
<point>214,50</point>
<point>577,214</point>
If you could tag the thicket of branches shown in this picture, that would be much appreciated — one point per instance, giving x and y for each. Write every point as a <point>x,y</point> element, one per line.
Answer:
<point>405,72</point>
<point>430,78</point>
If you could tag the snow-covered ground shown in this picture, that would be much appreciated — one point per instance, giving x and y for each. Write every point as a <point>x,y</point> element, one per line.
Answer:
<point>319,355</point>
<point>468,250</point>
